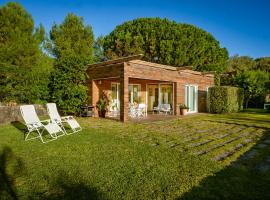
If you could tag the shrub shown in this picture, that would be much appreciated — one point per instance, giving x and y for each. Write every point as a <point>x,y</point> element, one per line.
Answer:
<point>225,99</point>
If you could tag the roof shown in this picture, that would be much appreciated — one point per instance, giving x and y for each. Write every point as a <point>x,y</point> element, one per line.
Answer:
<point>137,59</point>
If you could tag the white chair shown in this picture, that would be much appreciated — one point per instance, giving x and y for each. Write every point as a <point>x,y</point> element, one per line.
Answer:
<point>132,111</point>
<point>157,109</point>
<point>33,123</point>
<point>166,108</point>
<point>141,110</point>
<point>56,118</point>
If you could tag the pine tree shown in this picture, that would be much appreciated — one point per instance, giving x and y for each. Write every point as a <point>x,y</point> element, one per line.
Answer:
<point>166,42</point>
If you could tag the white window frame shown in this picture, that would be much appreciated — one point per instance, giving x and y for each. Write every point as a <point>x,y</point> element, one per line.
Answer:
<point>117,93</point>
<point>196,97</point>
<point>139,92</point>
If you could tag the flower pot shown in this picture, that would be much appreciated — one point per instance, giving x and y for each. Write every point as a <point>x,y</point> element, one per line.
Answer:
<point>102,113</point>
<point>183,111</point>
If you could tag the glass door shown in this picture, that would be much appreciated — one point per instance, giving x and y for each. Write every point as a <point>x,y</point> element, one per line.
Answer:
<point>166,94</point>
<point>191,97</point>
<point>152,96</point>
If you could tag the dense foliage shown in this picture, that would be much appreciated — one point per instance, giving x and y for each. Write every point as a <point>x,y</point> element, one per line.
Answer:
<point>225,99</point>
<point>254,84</point>
<point>166,42</point>
<point>24,69</point>
<point>250,74</point>
<point>72,46</point>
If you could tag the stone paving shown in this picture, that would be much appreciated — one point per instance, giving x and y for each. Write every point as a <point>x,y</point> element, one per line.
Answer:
<point>221,141</point>
<point>217,140</point>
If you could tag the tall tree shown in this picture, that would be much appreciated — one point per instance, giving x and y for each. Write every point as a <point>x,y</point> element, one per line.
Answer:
<point>72,46</point>
<point>166,42</point>
<point>20,56</point>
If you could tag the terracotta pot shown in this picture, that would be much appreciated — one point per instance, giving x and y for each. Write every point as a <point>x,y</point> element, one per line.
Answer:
<point>183,111</point>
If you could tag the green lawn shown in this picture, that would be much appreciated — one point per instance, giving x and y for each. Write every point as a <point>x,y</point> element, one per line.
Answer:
<point>196,157</point>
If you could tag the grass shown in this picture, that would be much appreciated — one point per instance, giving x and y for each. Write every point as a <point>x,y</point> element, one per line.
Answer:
<point>197,157</point>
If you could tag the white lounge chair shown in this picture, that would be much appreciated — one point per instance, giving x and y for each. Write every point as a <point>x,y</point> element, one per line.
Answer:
<point>33,124</point>
<point>56,118</point>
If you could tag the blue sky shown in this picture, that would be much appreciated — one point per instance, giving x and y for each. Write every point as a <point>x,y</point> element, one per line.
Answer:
<point>242,26</point>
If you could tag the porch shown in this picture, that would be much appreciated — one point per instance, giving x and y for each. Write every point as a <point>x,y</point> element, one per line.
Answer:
<point>141,92</point>
<point>129,81</point>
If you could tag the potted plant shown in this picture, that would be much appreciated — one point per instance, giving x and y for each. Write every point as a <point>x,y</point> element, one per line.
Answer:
<point>102,105</point>
<point>183,109</point>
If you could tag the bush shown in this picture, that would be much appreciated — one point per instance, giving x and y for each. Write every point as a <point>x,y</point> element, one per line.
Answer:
<point>225,99</point>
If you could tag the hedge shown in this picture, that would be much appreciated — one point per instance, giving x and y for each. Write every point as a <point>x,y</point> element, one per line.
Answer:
<point>225,99</point>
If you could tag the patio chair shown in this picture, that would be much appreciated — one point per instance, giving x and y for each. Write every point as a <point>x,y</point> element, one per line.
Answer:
<point>166,108</point>
<point>56,118</point>
<point>141,110</point>
<point>157,109</point>
<point>33,124</point>
<point>132,111</point>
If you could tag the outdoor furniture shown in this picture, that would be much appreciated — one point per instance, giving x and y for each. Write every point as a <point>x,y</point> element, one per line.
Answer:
<point>87,111</point>
<point>157,109</point>
<point>56,118</point>
<point>166,108</point>
<point>141,110</point>
<point>137,111</point>
<point>33,124</point>
<point>132,111</point>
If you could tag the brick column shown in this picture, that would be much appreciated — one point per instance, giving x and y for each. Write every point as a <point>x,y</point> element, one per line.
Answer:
<point>177,97</point>
<point>124,94</point>
<point>95,95</point>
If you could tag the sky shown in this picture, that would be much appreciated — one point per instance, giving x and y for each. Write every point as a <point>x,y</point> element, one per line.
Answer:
<point>242,26</point>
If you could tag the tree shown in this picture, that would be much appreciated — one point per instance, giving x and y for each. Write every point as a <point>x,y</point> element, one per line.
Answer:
<point>72,46</point>
<point>99,54</point>
<point>241,63</point>
<point>21,59</point>
<point>263,64</point>
<point>166,42</point>
<point>253,82</point>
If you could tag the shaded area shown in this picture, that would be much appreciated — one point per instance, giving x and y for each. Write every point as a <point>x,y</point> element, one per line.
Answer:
<point>20,126</point>
<point>63,187</point>
<point>11,167</point>
<point>246,178</point>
